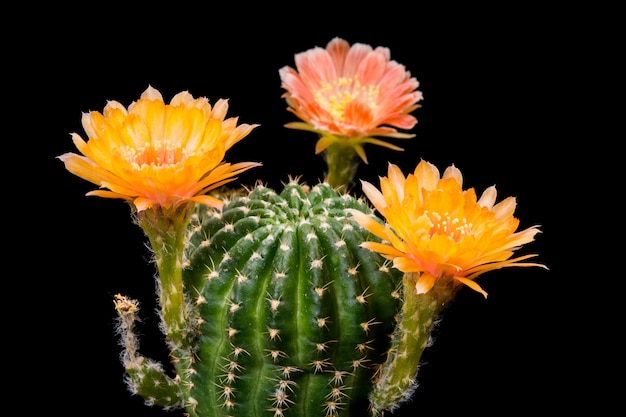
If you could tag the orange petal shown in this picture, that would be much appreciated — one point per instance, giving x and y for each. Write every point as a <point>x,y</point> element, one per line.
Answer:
<point>472,284</point>
<point>424,283</point>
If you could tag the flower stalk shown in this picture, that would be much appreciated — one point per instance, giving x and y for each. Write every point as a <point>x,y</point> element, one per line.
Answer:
<point>342,162</point>
<point>165,229</point>
<point>396,381</point>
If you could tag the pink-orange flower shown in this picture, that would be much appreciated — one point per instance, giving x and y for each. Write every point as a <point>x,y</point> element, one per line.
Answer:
<point>437,230</point>
<point>155,153</point>
<point>350,94</point>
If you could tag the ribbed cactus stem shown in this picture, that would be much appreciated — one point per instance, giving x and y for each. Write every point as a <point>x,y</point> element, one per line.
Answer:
<point>342,162</point>
<point>412,335</point>
<point>166,231</point>
<point>295,316</point>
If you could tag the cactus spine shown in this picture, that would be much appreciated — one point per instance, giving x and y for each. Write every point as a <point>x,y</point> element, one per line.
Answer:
<point>286,315</point>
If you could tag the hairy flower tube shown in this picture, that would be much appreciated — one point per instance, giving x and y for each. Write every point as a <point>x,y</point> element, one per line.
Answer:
<point>155,153</point>
<point>442,237</point>
<point>349,94</point>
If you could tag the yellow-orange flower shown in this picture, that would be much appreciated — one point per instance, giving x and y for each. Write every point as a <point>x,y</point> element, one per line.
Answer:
<point>437,230</point>
<point>155,153</point>
<point>350,94</point>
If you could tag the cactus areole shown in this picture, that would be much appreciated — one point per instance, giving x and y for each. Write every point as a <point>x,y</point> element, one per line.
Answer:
<point>287,314</point>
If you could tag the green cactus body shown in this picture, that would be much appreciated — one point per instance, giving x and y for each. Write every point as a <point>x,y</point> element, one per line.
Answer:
<point>292,317</point>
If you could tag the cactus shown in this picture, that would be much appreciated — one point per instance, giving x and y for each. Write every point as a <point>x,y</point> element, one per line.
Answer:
<point>287,313</point>
<point>302,303</point>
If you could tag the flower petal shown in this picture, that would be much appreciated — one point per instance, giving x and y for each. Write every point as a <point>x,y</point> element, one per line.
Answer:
<point>425,283</point>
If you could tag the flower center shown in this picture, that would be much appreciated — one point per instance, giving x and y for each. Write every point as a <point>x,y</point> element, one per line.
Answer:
<point>444,224</point>
<point>158,153</point>
<point>334,97</point>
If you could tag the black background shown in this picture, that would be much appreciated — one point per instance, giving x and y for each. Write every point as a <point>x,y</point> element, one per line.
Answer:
<point>496,84</point>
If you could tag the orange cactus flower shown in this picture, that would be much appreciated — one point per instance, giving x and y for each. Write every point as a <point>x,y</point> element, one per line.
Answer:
<point>436,230</point>
<point>350,94</point>
<point>158,154</point>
